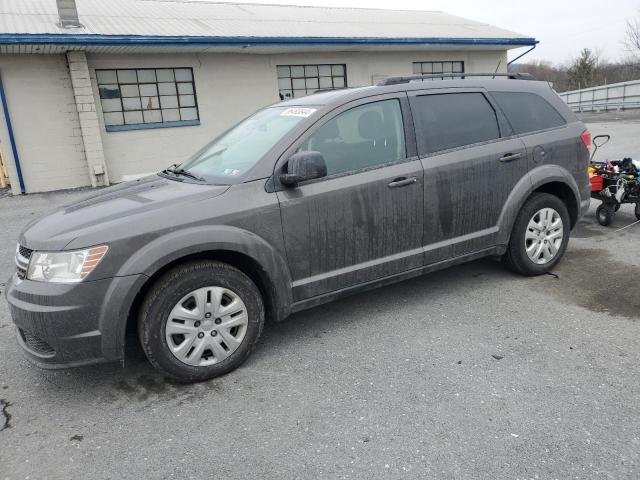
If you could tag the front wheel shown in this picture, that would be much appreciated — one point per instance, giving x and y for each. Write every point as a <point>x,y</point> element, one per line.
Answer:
<point>540,235</point>
<point>200,320</point>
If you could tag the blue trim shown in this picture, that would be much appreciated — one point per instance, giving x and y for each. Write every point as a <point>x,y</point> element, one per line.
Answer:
<point>94,39</point>
<point>146,126</point>
<point>7,119</point>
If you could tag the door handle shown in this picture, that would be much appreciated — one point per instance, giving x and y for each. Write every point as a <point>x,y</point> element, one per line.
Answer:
<point>402,182</point>
<point>510,157</point>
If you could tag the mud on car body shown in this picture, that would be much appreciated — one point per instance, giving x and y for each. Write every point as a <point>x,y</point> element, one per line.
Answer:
<point>303,202</point>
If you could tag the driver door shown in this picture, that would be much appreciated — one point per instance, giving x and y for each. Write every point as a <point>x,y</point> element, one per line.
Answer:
<point>363,221</point>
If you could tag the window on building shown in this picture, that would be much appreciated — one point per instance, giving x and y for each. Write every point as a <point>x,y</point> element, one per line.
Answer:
<point>429,68</point>
<point>296,81</point>
<point>362,137</point>
<point>147,98</point>
<point>439,125</point>
<point>528,112</point>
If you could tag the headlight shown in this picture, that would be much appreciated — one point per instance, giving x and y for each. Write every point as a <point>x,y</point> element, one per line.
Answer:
<point>64,267</point>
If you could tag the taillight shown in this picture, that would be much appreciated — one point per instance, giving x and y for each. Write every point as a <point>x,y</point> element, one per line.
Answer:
<point>586,139</point>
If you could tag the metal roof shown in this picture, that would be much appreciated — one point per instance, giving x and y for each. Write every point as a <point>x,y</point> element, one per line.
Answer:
<point>178,23</point>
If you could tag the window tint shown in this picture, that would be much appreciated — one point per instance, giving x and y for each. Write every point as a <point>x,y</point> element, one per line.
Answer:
<point>452,120</point>
<point>528,112</point>
<point>362,137</point>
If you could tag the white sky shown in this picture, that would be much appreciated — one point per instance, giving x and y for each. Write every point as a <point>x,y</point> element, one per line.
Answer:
<point>563,27</point>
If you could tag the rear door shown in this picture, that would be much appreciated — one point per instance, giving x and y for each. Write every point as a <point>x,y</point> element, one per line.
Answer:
<point>472,161</point>
<point>362,222</point>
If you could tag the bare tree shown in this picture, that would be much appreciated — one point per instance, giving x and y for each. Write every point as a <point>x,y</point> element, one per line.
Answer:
<point>632,36</point>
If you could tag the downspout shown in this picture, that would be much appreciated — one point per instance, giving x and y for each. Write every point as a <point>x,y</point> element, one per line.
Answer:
<point>7,119</point>
<point>520,56</point>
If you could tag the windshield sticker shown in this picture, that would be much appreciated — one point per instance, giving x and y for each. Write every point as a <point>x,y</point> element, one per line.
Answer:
<point>231,171</point>
<point>298,112</point>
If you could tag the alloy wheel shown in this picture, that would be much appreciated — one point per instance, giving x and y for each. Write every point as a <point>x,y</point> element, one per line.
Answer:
<point>544,236</point>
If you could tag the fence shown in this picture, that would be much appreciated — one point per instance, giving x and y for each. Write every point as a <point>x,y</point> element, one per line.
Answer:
<point>617,96</point>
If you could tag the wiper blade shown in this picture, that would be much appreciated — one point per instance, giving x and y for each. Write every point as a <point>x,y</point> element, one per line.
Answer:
<point>186,173</point>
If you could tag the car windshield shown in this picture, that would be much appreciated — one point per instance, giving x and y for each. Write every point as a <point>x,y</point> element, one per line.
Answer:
<point>238,149</point>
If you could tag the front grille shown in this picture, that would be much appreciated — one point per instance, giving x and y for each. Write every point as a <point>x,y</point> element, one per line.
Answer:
<point>23,254</point>
<point>36,344</point>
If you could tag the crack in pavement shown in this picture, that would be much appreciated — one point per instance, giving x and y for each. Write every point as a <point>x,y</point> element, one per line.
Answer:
<point>5,416</point>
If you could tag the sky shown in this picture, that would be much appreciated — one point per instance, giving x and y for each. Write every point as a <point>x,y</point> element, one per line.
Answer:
<point>563,27</point>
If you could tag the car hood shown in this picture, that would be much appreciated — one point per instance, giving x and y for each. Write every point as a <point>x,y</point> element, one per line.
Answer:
<point>126,204</point>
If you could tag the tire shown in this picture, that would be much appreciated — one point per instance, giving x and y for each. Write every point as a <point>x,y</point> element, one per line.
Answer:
<point>183,306</point>
<point>523,237</point>
<point>604,214</point>
<point>638,211</point>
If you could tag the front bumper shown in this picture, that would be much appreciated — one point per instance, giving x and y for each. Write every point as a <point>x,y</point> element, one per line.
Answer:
<point>63,325</point>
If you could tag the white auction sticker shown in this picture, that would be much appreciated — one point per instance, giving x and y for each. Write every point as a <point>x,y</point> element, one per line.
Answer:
<point>298,112</point>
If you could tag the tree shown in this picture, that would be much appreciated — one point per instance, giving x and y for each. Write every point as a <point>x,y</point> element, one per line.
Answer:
<point>632,37</point>
<point>582,72</point>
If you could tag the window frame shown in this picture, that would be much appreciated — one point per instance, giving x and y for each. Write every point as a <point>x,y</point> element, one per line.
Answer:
<point>411,152</point>
<point>144,126</point>
<point>504,128</point>
<point>432,62</point>
<point>304,66</point>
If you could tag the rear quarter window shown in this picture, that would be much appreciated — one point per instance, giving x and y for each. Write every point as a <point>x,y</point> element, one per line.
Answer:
<point>528,112</point>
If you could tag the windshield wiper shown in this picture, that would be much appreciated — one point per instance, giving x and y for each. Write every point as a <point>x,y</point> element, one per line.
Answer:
<point>175,171</point>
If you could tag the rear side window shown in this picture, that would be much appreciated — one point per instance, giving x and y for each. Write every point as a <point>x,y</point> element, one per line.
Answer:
<point>528,112</point>
<point>454,120</point>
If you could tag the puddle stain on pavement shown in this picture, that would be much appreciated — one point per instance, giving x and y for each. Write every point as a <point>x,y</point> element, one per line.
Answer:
<point>595,280</point>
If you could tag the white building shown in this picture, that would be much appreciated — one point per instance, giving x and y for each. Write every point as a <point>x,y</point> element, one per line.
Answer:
<point>119,88</point>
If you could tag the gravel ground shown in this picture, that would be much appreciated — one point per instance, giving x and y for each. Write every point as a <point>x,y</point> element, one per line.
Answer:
<point>471,372</point>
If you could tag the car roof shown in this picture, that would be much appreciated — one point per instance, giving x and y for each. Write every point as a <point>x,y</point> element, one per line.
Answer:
<point>330,98</point>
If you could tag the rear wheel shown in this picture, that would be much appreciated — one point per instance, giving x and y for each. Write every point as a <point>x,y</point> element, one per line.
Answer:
<point>540,235</point>
<point>605,214</point>
<point>200,320</point>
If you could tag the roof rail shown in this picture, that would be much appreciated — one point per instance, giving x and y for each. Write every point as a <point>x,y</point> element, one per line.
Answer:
<point>409,78</point>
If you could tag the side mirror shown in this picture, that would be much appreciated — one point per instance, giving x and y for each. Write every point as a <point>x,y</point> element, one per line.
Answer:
<point>600,140</point>
<point>302,166</point>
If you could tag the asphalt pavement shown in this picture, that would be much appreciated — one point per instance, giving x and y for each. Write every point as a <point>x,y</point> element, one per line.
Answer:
<point>467,373</point>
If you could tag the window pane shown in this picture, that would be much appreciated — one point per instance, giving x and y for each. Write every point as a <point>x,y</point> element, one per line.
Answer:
<point>437,67</point>
<point>111,105</point>
<point>324,70</point>
<point>169,102</point>
<point>325,82</point>
<point>188,114</point>
<point>427,68</point>
<point>132,117</point>
<point>129,91</point>
<point>363,137</point>
<point>106,76</point>
<point>167,88</point>
<point>149,103</point>
<point>113,118</point>
<point>446,67</point>
<point>299,93</point>
<point>165,75</point>
<point>337,70</point>
<point>183,74</point>
<point>439,120</point>
<point>458,67</point>
<point>283,71</point>
<point>284,83</point>
<point>172,115</point>
<point>187,101</point>
<point>185,88</point>
<point>311,71</point>
<point>152,116</point>
<point>298,83</point>
<point>312,83</point>
<point>109,91</point>
<point>131,103</point>
<point>417,67</point>
<point>528,112</point>
<point>297,71</point>
<point>148,90</point>
<point>146,76</point>
<point>338,82</point>
<point>127,76</point>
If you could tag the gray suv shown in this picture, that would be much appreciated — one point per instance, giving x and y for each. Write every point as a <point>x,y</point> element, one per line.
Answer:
<point>304,202</point>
